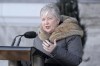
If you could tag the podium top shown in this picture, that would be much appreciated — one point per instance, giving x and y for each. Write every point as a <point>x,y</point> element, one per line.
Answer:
<point>15,53</point>
<point>14,48</point>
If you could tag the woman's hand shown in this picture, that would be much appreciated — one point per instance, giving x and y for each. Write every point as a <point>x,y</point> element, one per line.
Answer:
<point>48,46</point>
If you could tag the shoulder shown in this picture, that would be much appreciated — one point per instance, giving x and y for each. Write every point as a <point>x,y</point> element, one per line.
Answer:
<point>68,19</point>
<point>73,37</point>
<point>70,41</point>
<point>73,40</point>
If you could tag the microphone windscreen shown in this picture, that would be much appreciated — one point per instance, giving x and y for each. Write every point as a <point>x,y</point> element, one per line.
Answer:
<point>30,34</point>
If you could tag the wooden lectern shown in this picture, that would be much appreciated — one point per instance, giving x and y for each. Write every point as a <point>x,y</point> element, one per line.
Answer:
<point>15,53</point>
<point>21,53</point>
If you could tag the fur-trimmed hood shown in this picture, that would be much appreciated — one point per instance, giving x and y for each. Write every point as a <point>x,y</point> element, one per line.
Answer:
<point>68,27</point>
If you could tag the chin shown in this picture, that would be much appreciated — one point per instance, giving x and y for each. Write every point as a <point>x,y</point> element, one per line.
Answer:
<point>48,31</point>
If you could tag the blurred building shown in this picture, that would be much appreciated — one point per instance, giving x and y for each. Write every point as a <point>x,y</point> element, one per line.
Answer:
<point>90,17</point>
<point>20,16</point>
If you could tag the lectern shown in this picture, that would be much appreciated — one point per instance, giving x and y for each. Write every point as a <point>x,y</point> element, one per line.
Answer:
<point>15,54</point>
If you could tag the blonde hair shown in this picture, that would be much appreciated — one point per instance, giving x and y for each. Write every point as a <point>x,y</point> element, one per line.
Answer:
<point>52,9</point>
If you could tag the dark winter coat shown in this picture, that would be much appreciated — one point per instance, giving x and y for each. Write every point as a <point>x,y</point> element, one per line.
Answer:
<point>69,47</point>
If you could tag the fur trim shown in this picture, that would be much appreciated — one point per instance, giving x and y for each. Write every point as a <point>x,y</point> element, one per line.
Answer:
<point>69,27</point>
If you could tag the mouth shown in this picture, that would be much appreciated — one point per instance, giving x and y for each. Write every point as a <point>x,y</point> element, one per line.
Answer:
<point>47,27</point>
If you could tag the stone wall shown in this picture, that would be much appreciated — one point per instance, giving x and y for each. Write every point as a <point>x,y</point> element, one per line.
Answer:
<point>90,17</point>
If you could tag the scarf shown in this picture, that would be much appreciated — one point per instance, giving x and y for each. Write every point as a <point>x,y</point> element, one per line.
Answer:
<point>68,27</point>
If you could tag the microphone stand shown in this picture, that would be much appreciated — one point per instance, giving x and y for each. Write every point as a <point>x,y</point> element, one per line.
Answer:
<point>15,40</point>
<point>19,40</point>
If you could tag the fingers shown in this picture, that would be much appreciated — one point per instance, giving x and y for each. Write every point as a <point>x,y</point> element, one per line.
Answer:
<point>48,46</point>
<point>46,43</point>
<point>55,42</point>
<point>45,47</point>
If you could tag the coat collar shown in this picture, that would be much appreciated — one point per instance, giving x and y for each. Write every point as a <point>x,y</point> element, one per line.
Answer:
<point>68,28</point>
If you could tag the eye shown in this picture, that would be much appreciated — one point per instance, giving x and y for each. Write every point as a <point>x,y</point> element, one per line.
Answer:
<point>49,18</point>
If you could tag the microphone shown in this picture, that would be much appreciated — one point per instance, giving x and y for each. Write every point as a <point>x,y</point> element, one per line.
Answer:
<point>29,34</point>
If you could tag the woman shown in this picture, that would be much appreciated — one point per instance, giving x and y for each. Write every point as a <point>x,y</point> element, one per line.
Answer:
<point>59,37</point>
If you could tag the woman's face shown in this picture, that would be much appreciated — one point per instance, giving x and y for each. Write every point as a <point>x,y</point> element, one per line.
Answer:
<point>49,22</point>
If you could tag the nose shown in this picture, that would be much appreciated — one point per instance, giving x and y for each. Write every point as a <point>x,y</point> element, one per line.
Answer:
<point>46,22</point>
